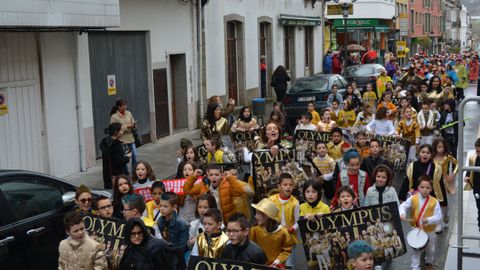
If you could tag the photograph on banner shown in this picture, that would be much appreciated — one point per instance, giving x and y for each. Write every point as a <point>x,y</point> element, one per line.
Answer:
<point>268,167</point>
<point>204,263</point>
<point>326,238</point>
<point>243,140</point>
<point>395,150</point>
<point>108,232</point>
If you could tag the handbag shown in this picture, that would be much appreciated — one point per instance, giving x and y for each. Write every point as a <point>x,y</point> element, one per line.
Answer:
<point>136,137</point>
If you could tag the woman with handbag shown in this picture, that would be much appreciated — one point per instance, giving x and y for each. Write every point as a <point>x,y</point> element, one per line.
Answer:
<point>279,82</point>
<point>119,114</point>
<point>114,158</point>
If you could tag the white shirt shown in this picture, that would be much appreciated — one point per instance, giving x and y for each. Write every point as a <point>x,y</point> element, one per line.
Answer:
<point>437,214</point>
<point>381,127</point>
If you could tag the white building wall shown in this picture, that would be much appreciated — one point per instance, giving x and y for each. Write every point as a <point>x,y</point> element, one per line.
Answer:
<point>57,66</point>
<point>216,10</point>
<point>59,13</point>
<point>463,26</point>
<point>368,9</point>
<point>170,25</point>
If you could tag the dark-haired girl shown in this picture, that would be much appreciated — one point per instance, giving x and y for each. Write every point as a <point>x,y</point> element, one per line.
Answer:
<point>114,159</point>
<point>313,207</point>
<point>245,121</point>
<point>382,191</point>
<point>214,123</point>
<point>122,186</point>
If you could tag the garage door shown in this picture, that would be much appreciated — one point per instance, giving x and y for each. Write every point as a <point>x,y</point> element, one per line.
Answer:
<point>21,128</point>
<point>124,55</point>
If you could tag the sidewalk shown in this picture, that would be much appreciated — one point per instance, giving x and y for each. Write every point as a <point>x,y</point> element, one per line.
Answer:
<point>161,155</point>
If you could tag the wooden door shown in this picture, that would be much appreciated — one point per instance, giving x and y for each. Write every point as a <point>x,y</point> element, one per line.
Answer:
<point>161,102</point>
<point>232,60</point>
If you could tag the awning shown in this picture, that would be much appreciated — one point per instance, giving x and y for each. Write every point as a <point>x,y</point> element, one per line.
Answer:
<point>364,25</point>
<point>300,20</point>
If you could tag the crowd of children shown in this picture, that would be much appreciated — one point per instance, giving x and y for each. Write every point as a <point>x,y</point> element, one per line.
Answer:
<point>215,216</point>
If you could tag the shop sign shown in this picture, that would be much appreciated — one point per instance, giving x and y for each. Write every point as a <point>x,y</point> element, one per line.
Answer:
<point>357,23</point>
<point>401,49</point>
<point>300,22</point>
<point>337,9</point>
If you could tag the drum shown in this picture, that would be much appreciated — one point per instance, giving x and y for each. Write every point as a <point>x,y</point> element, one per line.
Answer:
<point>417,239</point>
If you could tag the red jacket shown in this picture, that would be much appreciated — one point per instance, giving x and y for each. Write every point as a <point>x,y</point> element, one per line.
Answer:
<point>336,65</point>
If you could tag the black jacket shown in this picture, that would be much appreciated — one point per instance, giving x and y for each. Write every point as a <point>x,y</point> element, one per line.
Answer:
<point>248,252</point>
<point>113,159</point>
<point>151,254</point>
<point>279,80</point>
<point>369,163</point>
<point>443,121</point>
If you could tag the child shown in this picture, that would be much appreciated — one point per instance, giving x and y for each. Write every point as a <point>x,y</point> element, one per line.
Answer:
<point>326,124</point>
<point>425,213</point>
<point>353,176</point>
<point>273,238</point>
<point>215,154</point>
<point>375,158</point>
<point>228,188</point>
<point>426,121</point>
<point>84,200</point>
<point>335,110</point>
<point>423,166</point>
<point>382,191</point>
<point>408,128</point>
<point>361,144</point>
<point>404,104</point>
<point>385,102</point>
<point>313,207</point>
<point>305,124</point>
<point>381,125</point>
<point>187,202</point>
<point>211,242</point>
<point>449,166</point>
<point>142,179</point>
<point>345,199</point>
<point>172,227</point>
<point>104,207</point>
<point>204,202</point>
<point>369,97</point>
<point>121,186</point>
<point>184,145</point>
<point>288,204</point>
<point>190,155</point>
<point>152,211</point>
<point>361,255</point>
<point>450,134</point>
<point>88,252</point>
<point>315,115</point>
<point>334,96</point>
<point>326,167</point>
<point>346,116</point>
<point>364,117</point>
<point>472,179</point>
<point>335,146</point>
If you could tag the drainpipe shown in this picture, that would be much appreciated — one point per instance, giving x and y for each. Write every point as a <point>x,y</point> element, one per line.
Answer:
<point>78,103</point>
<point>201,98</point>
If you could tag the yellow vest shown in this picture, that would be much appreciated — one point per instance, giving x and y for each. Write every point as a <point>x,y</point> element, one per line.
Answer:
<point>335,150</point>
<point>437,177</point>
<point>320,208</point>
<point>218,157</point>
<point>150,207</point>
<point>212,249</point>
<point>428,212</point>
<point>288,209</point>
<point>471,163</point>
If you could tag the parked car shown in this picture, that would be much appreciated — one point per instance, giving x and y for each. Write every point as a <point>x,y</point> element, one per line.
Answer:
<point>31,218</point>
<point>314,88</point>
<point>362,75</point>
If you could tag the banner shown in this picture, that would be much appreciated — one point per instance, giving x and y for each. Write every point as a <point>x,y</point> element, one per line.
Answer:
<point>108,232</point>
<point>395,150</point>
<point>308,139</point>
<point>326,238</point>
<point>268,167</point>
<point>203,263</point>
<point>243,140</point>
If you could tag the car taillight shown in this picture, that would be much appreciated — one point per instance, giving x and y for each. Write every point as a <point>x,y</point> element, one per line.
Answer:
<point>287,100</point>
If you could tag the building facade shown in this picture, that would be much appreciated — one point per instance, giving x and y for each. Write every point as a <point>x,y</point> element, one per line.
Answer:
<point>425,25</point>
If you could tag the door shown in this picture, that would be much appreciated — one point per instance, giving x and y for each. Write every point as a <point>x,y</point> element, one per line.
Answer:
<point>160,87</point>
<point>266,51</point>
<point>37,209</point>
<point>22,128</point>
<point>179,91</point>
<point>123,54</point>
<point>232,68</point>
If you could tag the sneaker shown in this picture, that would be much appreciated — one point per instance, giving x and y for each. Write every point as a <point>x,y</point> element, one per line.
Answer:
<point>445,219</point>
<point>438,229</point>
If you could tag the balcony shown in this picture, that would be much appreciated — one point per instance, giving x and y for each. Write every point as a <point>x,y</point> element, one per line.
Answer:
<point>58,14</point>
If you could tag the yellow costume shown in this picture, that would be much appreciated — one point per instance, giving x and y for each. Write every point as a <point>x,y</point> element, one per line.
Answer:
<point>346,119</point>
<point>315,117</point>
<point>429,211</point>
<point>335,150</point>
<point>326,164</point>
<point>277,245</point>
<point>218,157</point>
<point>370,98</point>
<point>411,132</point>
<point>325,127</point>
<point>287,211</point>
<point>212,248</point>
<point>446,170</point>
<point>437,177</point>
<point>150,209</point>
<point>320,208</point>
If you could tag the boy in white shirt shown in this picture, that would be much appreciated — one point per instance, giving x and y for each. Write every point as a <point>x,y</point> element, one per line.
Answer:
<point>304,123</point>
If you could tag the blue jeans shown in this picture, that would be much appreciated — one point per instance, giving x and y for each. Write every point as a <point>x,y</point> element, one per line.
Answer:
<point>133,158</point>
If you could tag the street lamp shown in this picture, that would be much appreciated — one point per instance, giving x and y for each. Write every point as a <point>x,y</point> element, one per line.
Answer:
<point>345,9</point>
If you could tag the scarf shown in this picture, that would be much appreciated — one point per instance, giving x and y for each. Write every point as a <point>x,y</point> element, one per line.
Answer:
<point>314,203</point>
<point>380,193</point>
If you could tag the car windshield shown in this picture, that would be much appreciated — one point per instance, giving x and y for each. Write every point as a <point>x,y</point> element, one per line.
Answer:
<point>359,71</point>
<point>317,84</point>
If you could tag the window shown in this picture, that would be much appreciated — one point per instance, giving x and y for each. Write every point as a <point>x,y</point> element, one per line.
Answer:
<point>288,48</point>
<point>308,45</point>
<point>29,197</point>
<point>412,20</point>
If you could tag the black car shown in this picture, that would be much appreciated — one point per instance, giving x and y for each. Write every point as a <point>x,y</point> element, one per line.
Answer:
<point>363,74</point>
<point>314,88</point>
<point>31,218</point>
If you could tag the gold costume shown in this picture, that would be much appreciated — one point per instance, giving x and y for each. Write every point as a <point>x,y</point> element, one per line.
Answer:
<point>212,248</point>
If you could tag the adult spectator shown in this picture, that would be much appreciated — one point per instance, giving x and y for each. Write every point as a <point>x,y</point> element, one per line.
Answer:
<point>240,247</point>
<point>462,82</point>
<point>336,64</point>
<point>327,63</point>
<point>224,112</point>
<point>279,82</point>
<point>474,68</point>
<point>145,252</point>
<point>382,80</point>
<point>411,78</point>
<point>114,159</point>
<point>391,67</point>
<point>119,114</point>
